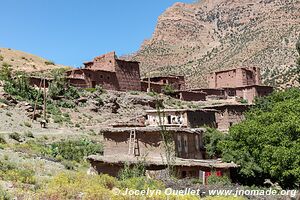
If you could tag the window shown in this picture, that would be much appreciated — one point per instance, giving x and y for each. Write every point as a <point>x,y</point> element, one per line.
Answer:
<point>107,77</point>
<point>179,145</point>
<point>197,142</point>
<point>185,143</point>
<point>101,76</point>
<point>230,124</point>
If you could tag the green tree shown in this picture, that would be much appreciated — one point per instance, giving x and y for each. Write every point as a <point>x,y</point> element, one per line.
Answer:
<point>212,139</point>
<point>267,144</point>
<point>298,59</point>
<point>5,72</point>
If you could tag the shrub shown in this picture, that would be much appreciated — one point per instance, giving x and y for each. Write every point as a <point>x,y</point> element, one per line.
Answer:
<point>141,183</point>
<point>9,171</point>
<point>73,150</point>
<point>128,171</point>
<point>168,90</point>
<point>49,62</point>
<point>91,90</point>
<point>28,124</point>
<point>15,136</point>
<point>2,140</point>
<point>218,180</point>
<point>4,195</point>
<point>100,89</point>
<point>1,58</point>
<point>212,139</point>
<point>73,185</point>
<point>29,134</point>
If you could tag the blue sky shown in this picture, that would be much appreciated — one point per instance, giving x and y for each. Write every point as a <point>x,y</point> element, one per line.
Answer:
<point>70,32</point>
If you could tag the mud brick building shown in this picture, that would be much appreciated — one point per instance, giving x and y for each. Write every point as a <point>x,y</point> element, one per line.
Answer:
<point>237,77</point>
<point>243,83</point>
<point>227,115</point>
<point>107,71</point>
<point>181,118</point>
<point>187,95</point>
<point>145,144</point>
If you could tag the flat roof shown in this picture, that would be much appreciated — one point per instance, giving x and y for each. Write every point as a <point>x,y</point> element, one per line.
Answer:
<point>146,129</point>
<point>248,86</point>
<point>161,161</point>
<point>181,110</point>
<point>231,69</point>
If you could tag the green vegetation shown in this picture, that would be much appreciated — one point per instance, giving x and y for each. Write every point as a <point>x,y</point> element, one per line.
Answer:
<point>168,89</point>
<point>137,170</point>
<point>1,58</point>
<point>15,136</point>
<point>218,180</point>
<point>298,59</point>
<point>49,62</point>
<point>267,144</point>
<point>73,150</point>
<point>212,139</point>
<point>11,172</point>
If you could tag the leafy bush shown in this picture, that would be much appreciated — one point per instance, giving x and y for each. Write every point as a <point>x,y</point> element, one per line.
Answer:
<point>212,139</point>
<point>49,62</point>
<point>128,171</point>
<point>73,150</point>
<point>267,144</point>
<point>168,89</point>
<point>28,124</point>
<point>218,180</point>
<point>73,185</point>
<point>9,171</point>
<point>15,136</point>
<point>1,58</point>
<point>29,134</point>
<point>2,140</point>
<point>19,87</point>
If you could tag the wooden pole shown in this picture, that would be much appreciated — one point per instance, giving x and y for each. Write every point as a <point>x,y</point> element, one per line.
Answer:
<point>149,84</point>
<point>37,98</point>
<point>45,97</point>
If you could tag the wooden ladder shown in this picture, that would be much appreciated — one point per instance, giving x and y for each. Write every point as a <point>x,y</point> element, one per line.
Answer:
<point>132,143</point>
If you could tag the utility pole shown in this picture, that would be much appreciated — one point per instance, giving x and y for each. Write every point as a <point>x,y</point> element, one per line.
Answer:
<point>149,84</point>
<point>45,99</point>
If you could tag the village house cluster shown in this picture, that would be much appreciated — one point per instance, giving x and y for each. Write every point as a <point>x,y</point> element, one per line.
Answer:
<point>231,91</point>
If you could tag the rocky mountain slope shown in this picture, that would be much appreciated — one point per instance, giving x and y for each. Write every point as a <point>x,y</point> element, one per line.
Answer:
<point>195,39</point>
<point>21,61</point>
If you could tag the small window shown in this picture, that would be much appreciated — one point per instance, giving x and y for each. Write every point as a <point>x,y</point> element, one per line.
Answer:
<point>101,76</point>
<point>185,143</point>
<point>110,61</point>
<point>107,77</point>
<point>230,124</point>
<point>179,143</point>
<point>197,142</point>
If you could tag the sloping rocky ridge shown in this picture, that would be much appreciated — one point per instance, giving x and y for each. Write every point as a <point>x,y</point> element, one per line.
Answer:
<point>195,39</point>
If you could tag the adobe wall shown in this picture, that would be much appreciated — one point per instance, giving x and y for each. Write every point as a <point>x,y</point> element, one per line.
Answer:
<point>89,79</point>
<point>118,144</point>
<point>228,116</point>
<point>37,82</point>
<point>168,118</point>
<point>189,146</point>
<point>190,96</point>
<point>197,119</point>
<point>150,144</point>
<point>154,87</point>
<point>234,78</point>
<point>128,75</point>
<point>106,168</point>
<point>104,62</point>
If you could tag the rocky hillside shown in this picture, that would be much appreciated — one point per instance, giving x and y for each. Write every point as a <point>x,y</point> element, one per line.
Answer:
<point>195,39</point>
<point>21,61</point>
